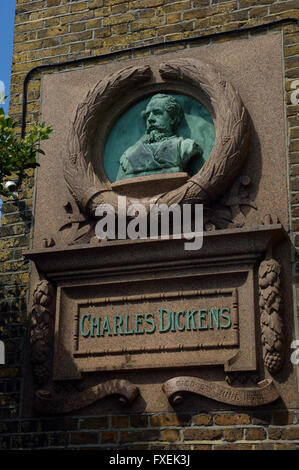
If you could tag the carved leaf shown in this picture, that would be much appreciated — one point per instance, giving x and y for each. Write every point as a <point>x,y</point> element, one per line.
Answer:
<point>275,323</point>
<point>269,336</point>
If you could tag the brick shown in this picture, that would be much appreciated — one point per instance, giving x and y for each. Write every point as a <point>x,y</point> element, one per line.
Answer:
<point>291,50</point>
<point>174,7</point>
<point>148,13</point>
<point>147,23</point>
<point>255,434</point>
<point>295,224</point>
<point>119,29</point>
<point>290,433</point>
<point>77,47</point>
<point>202,434</point>
<point>84,438</point>
<point>164,420</point>
<point>30,26</point>
<point>202,420</point>
<point>294,146</point>
<point>94,423</point>
<point>201,3</point>
<point>170,435</point>
<point>173,18</point>
<point>58,439</point>
<point>232,434</point>
<point>282,7</point>
<point>229,419</point>
<point>102,13</point>
<point>80,36</point>
<point>51,22</point>
<point>102,32</point>
<point>258,12</point>
<point>264,446</point>
<point>274,433</point>
<point>140,3</point>
<point>210,11</point>
<point>80,6</point>
<point>138,447</point>
<point>233,447</point>
<point>77,27</point>
<point>139,436</point>
<point>120,421</point>
<point>202,447</point>
<point>250,3</point>
<point>138,421</point>
<point>48,13</point>
<point>29,441</point>
<point>53,3</point>
<point>290,39</point>
<point>74,18</point>
<point>30,7</point>
<point>108,437</point>
<point>113,20</point>
<point>93,4</point>
<point>290,63</point>
<point>59,424</point>
<point>285,446</point>
<point>54,31</point>
<point>294,184</point>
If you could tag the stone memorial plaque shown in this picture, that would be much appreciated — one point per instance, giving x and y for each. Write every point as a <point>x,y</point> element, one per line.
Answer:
<point>123,316</point>
<point>138,331</point>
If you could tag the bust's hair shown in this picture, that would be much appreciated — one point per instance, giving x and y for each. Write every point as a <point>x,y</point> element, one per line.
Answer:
<point>172,107</point>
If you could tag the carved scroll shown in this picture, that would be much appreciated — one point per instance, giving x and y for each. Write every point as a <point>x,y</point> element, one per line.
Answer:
<point>52,403</point>
<point>41,333</point>
<point>271,322</point>
<point>263,394</point>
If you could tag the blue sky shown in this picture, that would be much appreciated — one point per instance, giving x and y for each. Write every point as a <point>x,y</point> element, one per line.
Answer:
<point>7,16</point>
<point>7,12</point>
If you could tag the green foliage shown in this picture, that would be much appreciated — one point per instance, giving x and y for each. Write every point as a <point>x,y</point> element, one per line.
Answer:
<point>17,154</point>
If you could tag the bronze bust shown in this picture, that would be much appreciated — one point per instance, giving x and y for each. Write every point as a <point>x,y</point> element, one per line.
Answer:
<point>159,150</point>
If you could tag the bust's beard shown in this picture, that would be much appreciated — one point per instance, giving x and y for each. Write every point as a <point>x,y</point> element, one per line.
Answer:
<point>155,135</point>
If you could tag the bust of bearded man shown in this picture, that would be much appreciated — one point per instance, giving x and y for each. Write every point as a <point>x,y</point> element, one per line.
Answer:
<point>159,150</point>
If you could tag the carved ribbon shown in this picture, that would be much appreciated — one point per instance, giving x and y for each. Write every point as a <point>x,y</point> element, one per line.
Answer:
<point>47,402</point>
<point>263,394</point>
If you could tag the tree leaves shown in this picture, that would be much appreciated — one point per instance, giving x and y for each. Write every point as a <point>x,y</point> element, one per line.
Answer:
<point>18,154</point>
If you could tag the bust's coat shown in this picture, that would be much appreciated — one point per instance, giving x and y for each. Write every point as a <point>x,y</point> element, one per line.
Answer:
<point>167,156</point>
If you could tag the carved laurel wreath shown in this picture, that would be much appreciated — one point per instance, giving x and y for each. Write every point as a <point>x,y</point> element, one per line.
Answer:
<point>226,159</point>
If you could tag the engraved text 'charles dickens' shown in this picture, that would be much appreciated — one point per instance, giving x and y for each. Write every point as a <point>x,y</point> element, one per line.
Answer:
<point>157,322</point>
<point>163,322</point>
